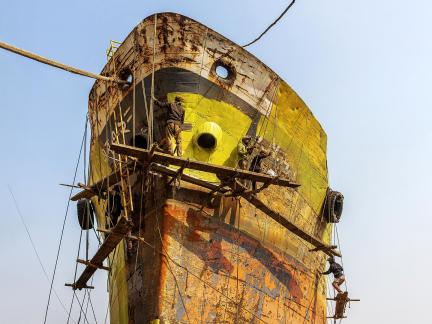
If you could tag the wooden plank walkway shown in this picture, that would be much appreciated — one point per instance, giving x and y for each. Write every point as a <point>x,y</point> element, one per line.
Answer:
<point>223,172</point>
<point>118,232</point>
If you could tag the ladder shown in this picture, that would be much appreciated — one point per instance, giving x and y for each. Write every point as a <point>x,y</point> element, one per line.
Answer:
<point>117,233</point>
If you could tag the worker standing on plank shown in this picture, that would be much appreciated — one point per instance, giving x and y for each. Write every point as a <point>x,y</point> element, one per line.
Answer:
<point>338,274</point>
<point>256,164</point>
<point>173,128</point>
<point>243,151</point>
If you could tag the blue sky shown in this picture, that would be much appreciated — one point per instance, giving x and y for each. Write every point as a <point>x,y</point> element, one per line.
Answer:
<point>364,69</point>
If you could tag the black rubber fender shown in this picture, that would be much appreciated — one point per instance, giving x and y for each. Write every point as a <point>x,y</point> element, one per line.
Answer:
<point>333,206</point>
<point>85,213</point>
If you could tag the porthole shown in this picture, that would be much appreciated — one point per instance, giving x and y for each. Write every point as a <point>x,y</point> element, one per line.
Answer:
<point>127,76</point>
<point>224,71</point>
<point>207,141</point>
<point>208,136</point>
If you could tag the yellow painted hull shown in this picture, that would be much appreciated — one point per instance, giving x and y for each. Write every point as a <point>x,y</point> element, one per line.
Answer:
<point>222,261</point>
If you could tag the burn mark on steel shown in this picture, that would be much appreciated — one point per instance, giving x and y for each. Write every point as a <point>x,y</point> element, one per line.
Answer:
<point>164,33</point>
<point>211,252</point>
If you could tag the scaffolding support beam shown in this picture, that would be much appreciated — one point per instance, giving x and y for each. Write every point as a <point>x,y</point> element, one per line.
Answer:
<point>282,220</point>
<point>223,172</point>
<point>118,232</point>
<point>99,187</point>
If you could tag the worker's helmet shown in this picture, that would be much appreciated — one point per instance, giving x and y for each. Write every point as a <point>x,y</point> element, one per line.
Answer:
<point>331,259</point>
<point>178,99</point>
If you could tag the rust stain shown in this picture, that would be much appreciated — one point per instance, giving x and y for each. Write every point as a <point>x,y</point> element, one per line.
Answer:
<point>223,272</point>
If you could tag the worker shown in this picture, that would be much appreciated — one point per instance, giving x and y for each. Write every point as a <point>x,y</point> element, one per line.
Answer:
<point>173,128</point>
<point>243,151</point>
<point>338,274</point>
<point>256,164</point>
<point>114,206</point>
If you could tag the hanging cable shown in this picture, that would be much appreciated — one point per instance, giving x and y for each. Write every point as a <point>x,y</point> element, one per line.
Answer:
<point>34,247</point>
<point>150,126</point>
<point>271,25</point>
<point>92,308</point>
<point>338,244</point>
<point>81,306</point>
<point>63,228</point>
<point>75,275</point>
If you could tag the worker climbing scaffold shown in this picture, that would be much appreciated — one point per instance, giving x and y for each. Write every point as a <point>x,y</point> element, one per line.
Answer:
<point>341,297</point>
<point>337,270</point>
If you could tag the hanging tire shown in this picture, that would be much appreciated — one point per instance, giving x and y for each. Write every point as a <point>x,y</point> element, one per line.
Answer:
<point>333,206</point>
<point>85,214</point>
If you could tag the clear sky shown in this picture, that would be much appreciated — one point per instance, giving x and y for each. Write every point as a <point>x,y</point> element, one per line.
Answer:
<point>364,69</point>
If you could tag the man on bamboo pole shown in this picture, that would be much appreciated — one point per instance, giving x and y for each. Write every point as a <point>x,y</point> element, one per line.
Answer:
<point>338,274</point>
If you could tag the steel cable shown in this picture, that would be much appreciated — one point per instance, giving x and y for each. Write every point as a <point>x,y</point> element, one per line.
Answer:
<point>63,227</point>
<point>271,25</point>
<point>34,248</point>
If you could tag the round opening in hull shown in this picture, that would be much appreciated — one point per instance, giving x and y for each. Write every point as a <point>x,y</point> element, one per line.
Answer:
<point>207,141</point>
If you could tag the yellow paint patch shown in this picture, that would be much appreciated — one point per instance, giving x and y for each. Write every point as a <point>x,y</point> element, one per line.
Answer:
<point>292,126</point>
<point>233,122</point>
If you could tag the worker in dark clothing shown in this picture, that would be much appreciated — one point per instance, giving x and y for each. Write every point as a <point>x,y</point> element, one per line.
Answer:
<point>243,151</point>
<point>338,274</point>
<point>175,120</point>
<point>114,206</point>
<point>256,164</point>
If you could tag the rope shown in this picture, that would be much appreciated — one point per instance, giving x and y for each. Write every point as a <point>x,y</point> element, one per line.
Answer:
<point>271,25</point>
<point>92,308</point>
<point>75,275</point>
<point>338,244</point>
<point>170,269</point>
<point>139,224</point>
<point>238,211</point>
<point>63,228</point>
<point>202,58</point>
<point>164,253</point>
<point>81,307</point>
<point>134,88</point>
<point>150,130</point>
<point>147,112</point>
<point>111,291</point>
<point>56,64</point>
<point>34,247</point>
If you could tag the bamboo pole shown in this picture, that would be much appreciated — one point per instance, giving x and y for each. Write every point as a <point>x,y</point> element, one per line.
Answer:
<point>56,64</point>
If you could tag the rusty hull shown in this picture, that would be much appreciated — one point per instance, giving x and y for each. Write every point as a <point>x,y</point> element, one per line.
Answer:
<point>211,260</point>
